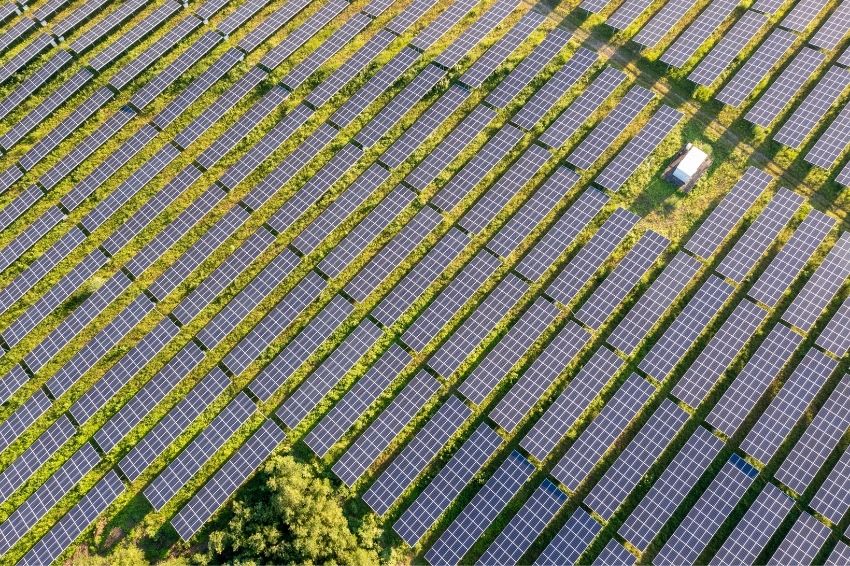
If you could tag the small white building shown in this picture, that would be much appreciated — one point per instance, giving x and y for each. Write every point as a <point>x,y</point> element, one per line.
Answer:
<point>690,165</point>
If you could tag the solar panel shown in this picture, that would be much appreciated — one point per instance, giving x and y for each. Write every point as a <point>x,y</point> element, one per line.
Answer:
<point>563,233</point>
<point>472,35</point>
<point>362,235</point>
<point>240,15</point>
<point>394,253</point>
<point>336,366</point>
<point>756,68</point>
<point>409,16</point>
<point>715,229</point>
<point>375,8</point>
<point>438,27</point>
<point>594,6</point>
<point>355,402</point>
<point>78,519</point>
<point>298,350</point>
<point>803,14</point>
<point>15,32</point>
<point>35,81</point>
<point>9,177</point>
<point>227,479</point>
<point>76,17</point>
<point>627,13</point>
<point>587,261</point>
<point>717,356</point>
<point>810,113</point>
<point>524,527</point>
<point>481,511</point>
<point>539,376</point>
<point>571,541</point>
<point>597,438</point>
<point>455,144</point>
<point>666,19</point>
<point>844,59</point>
<point>12,382</point>
<point>821,287</point>
<point>447,484</point>
<point>134,35</point>
<point>730,46</point>
<point>504,189</point>
<point>755,529</point>
<point>22,417</point>
<point>835,337</point>
<point>199,451</point>
<point>486,65</point>
<point>36,506</point>
<point>571,403</point>
<point>630,466</point>
<point>393,419</point>
<point>819,439</point>
<point>662,499</point>
<point>507,352</point>
<point>787,264</point>
<point>429,323</point>
<point>416,455</point>
<point>638,149</point>
<point>143,402</point>
<point>833,498</point>
<point>102,28</point>
<point>839,555</point>
<point>777,420</point>
<point>38,453</point>
<point>208,8</point>
<point>832,143</point>
<point>175,423</point>
<point>700,30</point>
<point>707,514</point>
<point>580,110</point>
<point>522,75</point>
<point>785,87</point>
<point>802,543</point>
<point>615,554</point>
<point>274,21</point>
<point>768,6</point>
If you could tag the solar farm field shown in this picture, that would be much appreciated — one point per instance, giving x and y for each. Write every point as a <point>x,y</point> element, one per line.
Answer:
<point>431,251</point>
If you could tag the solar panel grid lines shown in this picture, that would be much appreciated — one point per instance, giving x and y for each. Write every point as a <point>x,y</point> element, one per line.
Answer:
<point>486,65</point>
<point>802,543</point>
<point>447,484</point>
<point>356,400</point>
<point>787,264</point>
<point>631,465</point>
<point>29,236</point>
<point>571,541</point>
<point>844,59</point>
<point>507,352</point>
<point>638,149</point>
<point>524,527</point>
<point>722,348</point>
<point>12,382</point>
<point>33,509</point>
<point>756,68</point>
<point>756,527</point>
<point>664,20</point>
<point>175,423</point>
<point>481,511</point>
<point>839,555</point>
<point>431,320</point>
<point>561,415</point>
<point>272,23</point>
<point>16,31</point>
<point>332,369</point>
<point>833,497</point>
<point>33,82</point>
<point>627,13</point>
<point>207,9</point>
<point>279,318</point>
<point>532,212</point>
<point>102,28</point>
<point>483,25</point>
<point>227,479</point>
<point>698,32</point>
<point>819,439</point>
<point>562,234</point>
<point>504,189</point>
<point>391,114</point>
<point>730,46</point>
<point>35,456</point>
<point>622,279</point>
<point>199,451</point>
<point>362,235</point>
<point>803,14</point>
<point>380,433</point>
<point>748,386</point>
<point>610,127</point>
<point>602,432</point>
<point>9,176</point>
<point>76,17</point>
<point>726,215</point>
<point>707,514</point>
<point>581,109</point>
<point>821,287</point>
<point>409,16</point>
<point>614,554</point>
<point>522,75</point>
<point>527,390</point>
<point>834,29</point>
<point>587,261</point>
<point>835,337</point>
<point>235,19</point>
<point>785,87</point>
<point>832,143</point>
<point>456,143</point>
<point>416,455</point>
<point>810,113</point>
<point>148,397</point>
<point>767,6</point>
<point>72,524</point>
<point>440,25</point>
<point>22,417</point>
<point>340,209</point>
<point>423,274</point>
<point>593,6</point>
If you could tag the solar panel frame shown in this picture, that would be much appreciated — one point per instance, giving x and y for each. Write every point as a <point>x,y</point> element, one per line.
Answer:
<point>756,68</point>
<point>832,142</point>
<point>835,337</point>
<point>730,46</point>
<point>698,32</point>
<point>666,19</point>
<point>35,456</point>
<point>472,35</point>
<point>571,541</point>
<point>810,113</point>
<point>803,14</point>
<point>834,29</point>
<point>440,25</point>
<point>802,543</point>
<point>784,88</point>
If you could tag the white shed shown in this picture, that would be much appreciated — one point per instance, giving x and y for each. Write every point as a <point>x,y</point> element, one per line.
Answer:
<point>690,164</point>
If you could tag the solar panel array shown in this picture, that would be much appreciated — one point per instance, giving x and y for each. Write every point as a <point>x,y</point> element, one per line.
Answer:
<point>756,68</point>
<point>698,32</point>
<point>784,87</point>
<point>728,48</point>
<point>813,108</point>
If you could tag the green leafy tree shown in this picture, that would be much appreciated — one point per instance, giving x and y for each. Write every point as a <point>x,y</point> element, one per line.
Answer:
<point>293,518</point>
<point>126,555</point>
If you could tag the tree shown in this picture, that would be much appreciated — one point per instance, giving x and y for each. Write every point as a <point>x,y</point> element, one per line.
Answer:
<point>126,555</point>
<point>293,518</point>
